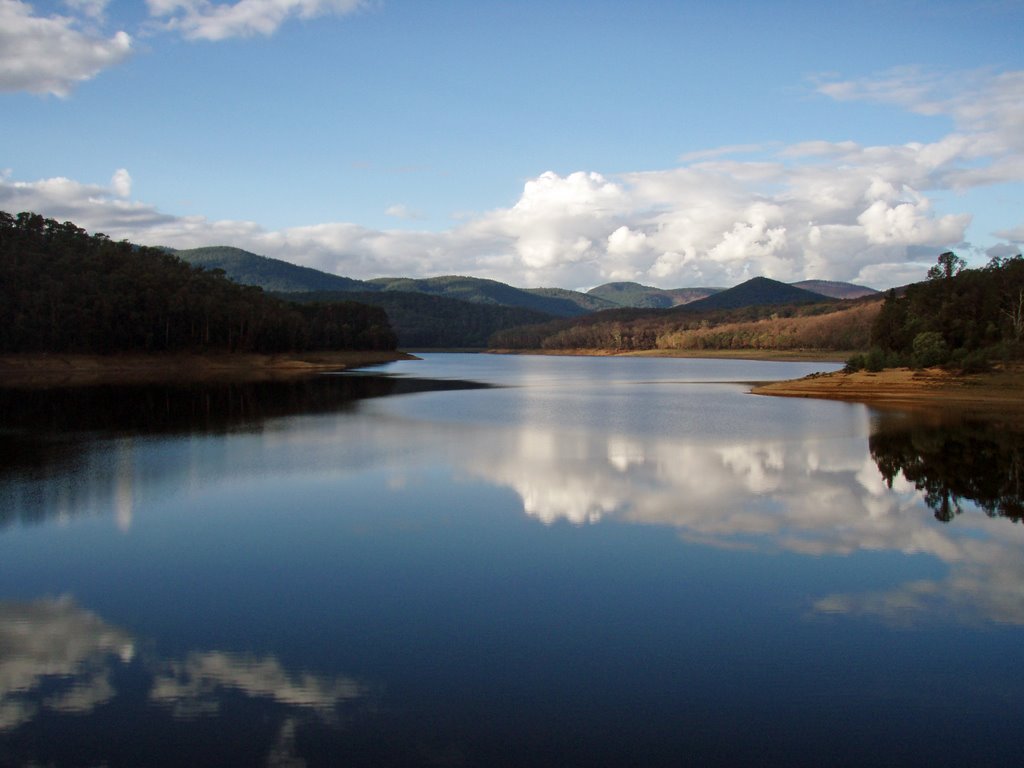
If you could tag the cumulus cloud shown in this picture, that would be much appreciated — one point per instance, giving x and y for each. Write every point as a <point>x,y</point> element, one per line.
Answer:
<point>827,210</point>
<point>53,54</point>
<point>121,183</point>
<point>204,20</point>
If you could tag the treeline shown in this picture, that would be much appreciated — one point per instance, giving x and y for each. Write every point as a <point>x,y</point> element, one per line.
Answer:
<point>967,318</point>
<point>63,290</point>
<point>832,326</point>
<point>423,320</point>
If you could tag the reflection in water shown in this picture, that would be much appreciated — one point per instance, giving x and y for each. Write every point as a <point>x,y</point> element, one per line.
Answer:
<point>59,659</point>
<point>813,497</point>
<point>949,463</point>
<point>192,687</point>
<point>497,564</point>
<point>56,641</point>
<point>54,461</point>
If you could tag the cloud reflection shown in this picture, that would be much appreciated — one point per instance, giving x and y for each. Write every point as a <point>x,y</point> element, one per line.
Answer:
<point>812,497</point>
<point>55,639</point>
<point>58,657</point>
<point>192,687</point>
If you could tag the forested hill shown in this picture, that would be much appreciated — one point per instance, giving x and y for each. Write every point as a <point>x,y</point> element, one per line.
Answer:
<point>424,321</point>
<point>63,290</point>
<point>756,292</point>
<point>646,296</point>
<point>283,277</point>
<point>766,316</point>
<point>963,317</point>
<point>269,274</point>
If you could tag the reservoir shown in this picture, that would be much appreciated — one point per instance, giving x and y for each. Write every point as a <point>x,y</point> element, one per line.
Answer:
<point>478,560</point>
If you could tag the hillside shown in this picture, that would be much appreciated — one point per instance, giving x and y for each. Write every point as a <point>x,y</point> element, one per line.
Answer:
<point>645,296</point>
<point>62,290</point>
<point>836,290</point>
<point>269,274</point>
<point>756,292</point>
<point>480,291</point>
<point>585,301</point>
<point>424,321</point>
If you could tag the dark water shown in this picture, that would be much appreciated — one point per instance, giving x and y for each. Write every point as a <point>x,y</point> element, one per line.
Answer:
<point>590,562</point>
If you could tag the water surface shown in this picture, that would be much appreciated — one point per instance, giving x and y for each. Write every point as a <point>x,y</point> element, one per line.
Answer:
<point>479,560</point>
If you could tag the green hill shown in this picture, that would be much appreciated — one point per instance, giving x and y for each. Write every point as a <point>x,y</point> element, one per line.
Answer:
<point>646,296</point>
<point>586,301</point>
<point>481,291</point>
<point>269,274</point>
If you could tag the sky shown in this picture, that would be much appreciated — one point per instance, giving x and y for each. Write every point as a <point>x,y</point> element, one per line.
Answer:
<point>563,143</point>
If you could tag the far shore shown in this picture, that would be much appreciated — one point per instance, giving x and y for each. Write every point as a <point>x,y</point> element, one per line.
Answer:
<point>52,370</point>
<point>771,355</point>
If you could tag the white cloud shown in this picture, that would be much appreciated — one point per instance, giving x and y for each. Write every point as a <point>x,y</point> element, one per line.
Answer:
<point>51,55</point>
<point>400,211</point>
<point>121,183</point>
<point>1015,235</point>
<point>818,209</point>
<point>204,20</point>
<point>94,9</point>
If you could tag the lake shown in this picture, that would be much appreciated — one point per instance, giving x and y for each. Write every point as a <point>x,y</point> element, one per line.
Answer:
<point>487,561</point>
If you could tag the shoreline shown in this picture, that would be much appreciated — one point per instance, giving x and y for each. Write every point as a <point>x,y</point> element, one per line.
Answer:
<point>999,393</point>
<point>67,370</point>
<point>767,355</point>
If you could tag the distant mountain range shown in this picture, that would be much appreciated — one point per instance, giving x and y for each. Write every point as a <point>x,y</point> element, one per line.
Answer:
<point>456,311</point>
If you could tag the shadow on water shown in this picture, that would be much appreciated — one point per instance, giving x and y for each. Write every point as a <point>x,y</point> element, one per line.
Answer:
<point>953,461</point>
<point>47,434</point>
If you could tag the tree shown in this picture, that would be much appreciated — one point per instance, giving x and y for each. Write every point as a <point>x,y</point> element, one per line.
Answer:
<point>947,265</point>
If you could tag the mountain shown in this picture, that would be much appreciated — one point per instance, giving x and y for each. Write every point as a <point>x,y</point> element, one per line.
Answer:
<point>269,274</point>
<point>646,296</point>
<point>481,291</point>
<point>836,290</point>
<point>756,292</point>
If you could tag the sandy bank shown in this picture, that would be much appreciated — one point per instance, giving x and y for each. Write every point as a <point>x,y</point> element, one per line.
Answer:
<point>1000,392</point>
<point>48,370</point>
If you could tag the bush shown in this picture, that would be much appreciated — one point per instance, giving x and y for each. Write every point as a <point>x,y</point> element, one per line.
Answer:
<point>930,349</point>
<point>854,364</point>
<point>976,362</point>
<point>875,360</point>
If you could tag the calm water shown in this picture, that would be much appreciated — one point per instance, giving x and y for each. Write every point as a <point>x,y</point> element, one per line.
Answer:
<point>587,562</point>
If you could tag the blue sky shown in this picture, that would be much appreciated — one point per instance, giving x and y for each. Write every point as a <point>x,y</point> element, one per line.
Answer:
<point>539,143</point>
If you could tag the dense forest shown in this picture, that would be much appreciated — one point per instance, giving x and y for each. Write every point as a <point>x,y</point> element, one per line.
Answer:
<point>63,290</point>
<point>424,321</point>
<point>962,317</point>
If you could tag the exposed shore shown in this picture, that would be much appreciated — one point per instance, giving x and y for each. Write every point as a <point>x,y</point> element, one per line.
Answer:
<point>998,393</point>
<point>53,370</point>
